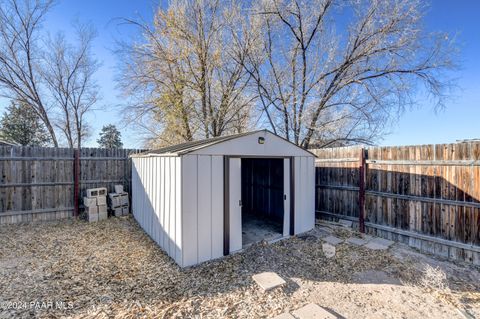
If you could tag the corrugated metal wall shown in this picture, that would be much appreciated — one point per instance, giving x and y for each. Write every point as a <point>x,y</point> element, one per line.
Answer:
<point>202,181</point>
<point>156,201</point>
<point>304,194</point>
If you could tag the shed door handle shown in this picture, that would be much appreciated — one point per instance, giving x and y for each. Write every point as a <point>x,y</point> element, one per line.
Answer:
<point>240,202</point>
<point>284,196</point>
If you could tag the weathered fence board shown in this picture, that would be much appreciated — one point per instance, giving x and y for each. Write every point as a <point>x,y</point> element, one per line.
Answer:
<point>38,183</point>
<point>427,195</point>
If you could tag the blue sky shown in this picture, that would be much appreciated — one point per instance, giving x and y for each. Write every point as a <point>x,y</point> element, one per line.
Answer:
<point>460,118</point>
<point>420,125</point>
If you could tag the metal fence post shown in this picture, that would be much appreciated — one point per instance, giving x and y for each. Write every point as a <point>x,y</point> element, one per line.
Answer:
<point>76,182</point>
<point>361,191</point>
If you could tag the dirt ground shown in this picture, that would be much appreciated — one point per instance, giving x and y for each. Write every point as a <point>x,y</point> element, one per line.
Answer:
<point>112,269</point>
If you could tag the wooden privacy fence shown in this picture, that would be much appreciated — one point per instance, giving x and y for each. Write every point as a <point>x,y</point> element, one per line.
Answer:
<point>38,183</point>
<point>427,196</point>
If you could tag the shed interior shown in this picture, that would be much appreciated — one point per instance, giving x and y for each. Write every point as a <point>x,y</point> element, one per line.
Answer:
<point>262,194</point>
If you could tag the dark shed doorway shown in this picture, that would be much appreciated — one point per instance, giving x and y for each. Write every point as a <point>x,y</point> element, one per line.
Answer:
<point>262,199</point>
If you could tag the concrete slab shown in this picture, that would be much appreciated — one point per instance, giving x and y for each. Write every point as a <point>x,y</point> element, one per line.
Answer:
<point>332,240</point>
<point>356,241</point>
<point>268,280</point>
<point>255,230</point>
<point>382,241</point>
<point>328,250</point>
<point>324,229</point>
<point>313,311</point>
<point>285,315</point>
<point>345,223</point>
<point>375,246</point>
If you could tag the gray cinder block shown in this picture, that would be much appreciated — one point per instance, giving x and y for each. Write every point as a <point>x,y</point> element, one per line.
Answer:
<point>115,200</point>
<point>91,210</point>
<point>102,215</point>
<point>94,192</point>
<point>89,201</point>
<point>92,217</point>
<point>124,199</point>
<point>118,211</point>
<point>101,200</point>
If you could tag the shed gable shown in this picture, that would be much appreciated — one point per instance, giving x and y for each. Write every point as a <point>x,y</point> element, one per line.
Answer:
<point>249,145</point>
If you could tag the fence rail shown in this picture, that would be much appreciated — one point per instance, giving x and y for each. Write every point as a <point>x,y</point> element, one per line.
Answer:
<point>427,196</point>
<point>39,183</point>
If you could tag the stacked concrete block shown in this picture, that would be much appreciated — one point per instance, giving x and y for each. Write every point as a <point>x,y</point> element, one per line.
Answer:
<point>119,201</point>
<point>96,204</point>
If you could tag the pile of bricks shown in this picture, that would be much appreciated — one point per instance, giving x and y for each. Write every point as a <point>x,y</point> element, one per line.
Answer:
<point>96,204</point>
<point>119,201</point>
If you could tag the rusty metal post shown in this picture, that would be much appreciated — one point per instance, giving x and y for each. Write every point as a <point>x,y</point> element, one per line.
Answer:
<point>76,182</point>
<point>361,191</point>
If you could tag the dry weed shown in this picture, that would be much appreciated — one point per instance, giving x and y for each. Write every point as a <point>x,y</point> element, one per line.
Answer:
<point>433,278</point>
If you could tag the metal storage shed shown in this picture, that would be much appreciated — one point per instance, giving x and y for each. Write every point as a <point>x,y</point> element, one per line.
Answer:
<point>205,199</point>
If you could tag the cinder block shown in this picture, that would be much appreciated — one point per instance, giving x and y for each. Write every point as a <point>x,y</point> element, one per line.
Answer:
<point>94,192</point>
<point>125,210</point>
<point>91,210</point>
<point>102,215</point>
<point>102,209</point>
<point>118,189</point>
<point>115,200</point>
<point>89,201</point>
<point>101,200</point>
<point>92,217</point>
<point>118,211</point>
<point>124,199</point>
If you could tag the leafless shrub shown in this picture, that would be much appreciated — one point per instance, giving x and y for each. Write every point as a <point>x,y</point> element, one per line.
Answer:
<point>433,279</point>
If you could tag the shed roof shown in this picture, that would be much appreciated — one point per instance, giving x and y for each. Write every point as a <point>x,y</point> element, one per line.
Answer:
<point>8,143</point>
<point>188,147</point>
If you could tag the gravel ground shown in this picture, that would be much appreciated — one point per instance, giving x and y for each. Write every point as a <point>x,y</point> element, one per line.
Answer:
<point>112,269</point>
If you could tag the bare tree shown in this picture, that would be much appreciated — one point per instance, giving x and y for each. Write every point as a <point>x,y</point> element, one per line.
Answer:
<point>321,82</point>
<point>68,72</point>
<point>185,72</point>
<point>52,77</point>
<point>20,56</point>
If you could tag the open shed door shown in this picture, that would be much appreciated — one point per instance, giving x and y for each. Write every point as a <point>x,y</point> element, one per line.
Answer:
<point>286,197</point>
<point>235,203</point>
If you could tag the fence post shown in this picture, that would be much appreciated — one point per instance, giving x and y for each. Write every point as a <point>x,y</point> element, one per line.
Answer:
<point>361,191</point>
<point>76,181</point>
